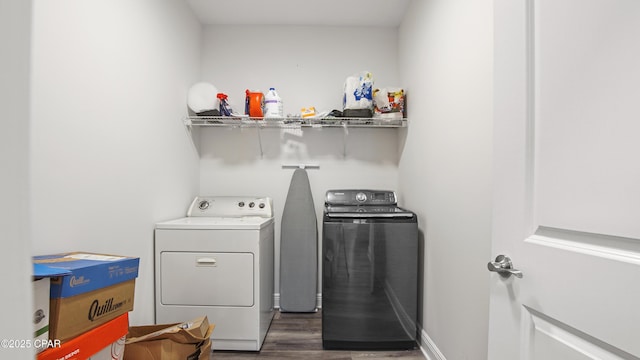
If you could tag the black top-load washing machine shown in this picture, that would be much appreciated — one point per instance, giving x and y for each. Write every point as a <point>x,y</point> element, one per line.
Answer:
<point>370,272</point>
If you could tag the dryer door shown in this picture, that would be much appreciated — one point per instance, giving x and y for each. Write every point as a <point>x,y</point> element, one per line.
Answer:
<point>206,278</point>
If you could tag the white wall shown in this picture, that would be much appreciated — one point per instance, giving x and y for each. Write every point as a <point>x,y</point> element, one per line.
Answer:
<point>16,304</point>
<point>306,64</point>
<point>308,67</point>
<point>445,61</point>
<point>109,153</point>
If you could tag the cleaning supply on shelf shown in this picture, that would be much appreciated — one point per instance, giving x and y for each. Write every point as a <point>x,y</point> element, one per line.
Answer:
<point>358,97</point>
<point>225,108</point>
<point>388,103</point>
<point>254,103</point>
<point>308,112</point>
<point>273,105</point>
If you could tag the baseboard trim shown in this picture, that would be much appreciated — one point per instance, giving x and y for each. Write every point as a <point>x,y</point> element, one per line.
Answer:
<point>429,348</point>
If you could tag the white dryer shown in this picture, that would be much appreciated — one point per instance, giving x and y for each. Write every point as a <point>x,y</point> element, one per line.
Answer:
<point>218,262</point>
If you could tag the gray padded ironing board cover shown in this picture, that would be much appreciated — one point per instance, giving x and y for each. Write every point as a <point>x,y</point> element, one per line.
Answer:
<point>298,247</point>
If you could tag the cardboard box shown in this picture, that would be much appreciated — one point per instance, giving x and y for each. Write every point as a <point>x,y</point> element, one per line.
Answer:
<point>85,272</point>
<point>187,341</point>
<point>75,315</point>
<point>40,313</point>
<point>105,342</point>
<point>87,290</point>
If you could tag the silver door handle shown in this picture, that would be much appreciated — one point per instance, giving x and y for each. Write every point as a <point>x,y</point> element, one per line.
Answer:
<point>504,267</point>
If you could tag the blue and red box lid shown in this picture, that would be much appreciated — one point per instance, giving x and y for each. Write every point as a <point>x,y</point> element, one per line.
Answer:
<point>80,272</point>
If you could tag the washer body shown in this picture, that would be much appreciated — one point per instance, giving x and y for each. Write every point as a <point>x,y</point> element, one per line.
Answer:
<point>218,262</point>
<point>369,272</point>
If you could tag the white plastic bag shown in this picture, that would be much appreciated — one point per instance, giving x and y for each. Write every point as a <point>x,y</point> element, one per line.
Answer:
<point>388,101</point>
<point>358,91</point>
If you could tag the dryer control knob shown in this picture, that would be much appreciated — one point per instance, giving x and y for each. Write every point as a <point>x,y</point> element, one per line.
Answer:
<point>203,205</point>
<point>361,197</point>
<point>241,204</point>
<point>252,204</point>
<point>261,206</point>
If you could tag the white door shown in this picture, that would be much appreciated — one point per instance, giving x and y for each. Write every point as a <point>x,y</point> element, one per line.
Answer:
<point>567,180</point>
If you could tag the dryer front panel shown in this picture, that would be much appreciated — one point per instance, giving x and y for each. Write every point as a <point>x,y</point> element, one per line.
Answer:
<point>207,278</point>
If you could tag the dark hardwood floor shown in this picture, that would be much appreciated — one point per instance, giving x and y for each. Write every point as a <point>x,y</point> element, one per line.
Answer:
<point>299,336</point>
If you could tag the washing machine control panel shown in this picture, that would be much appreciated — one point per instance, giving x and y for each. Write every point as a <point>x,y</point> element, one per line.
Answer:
<point>360,197</point>
<point>230,206</point>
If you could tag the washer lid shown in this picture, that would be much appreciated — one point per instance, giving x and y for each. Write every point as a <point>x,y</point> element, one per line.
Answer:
<point>367,212</point>
<point>216,223</point>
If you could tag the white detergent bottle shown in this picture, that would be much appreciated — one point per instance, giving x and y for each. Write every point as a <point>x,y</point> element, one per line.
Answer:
<point>273,105</point>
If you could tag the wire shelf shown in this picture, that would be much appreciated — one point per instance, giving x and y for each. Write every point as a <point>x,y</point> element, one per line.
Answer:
<point>290,122</point>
